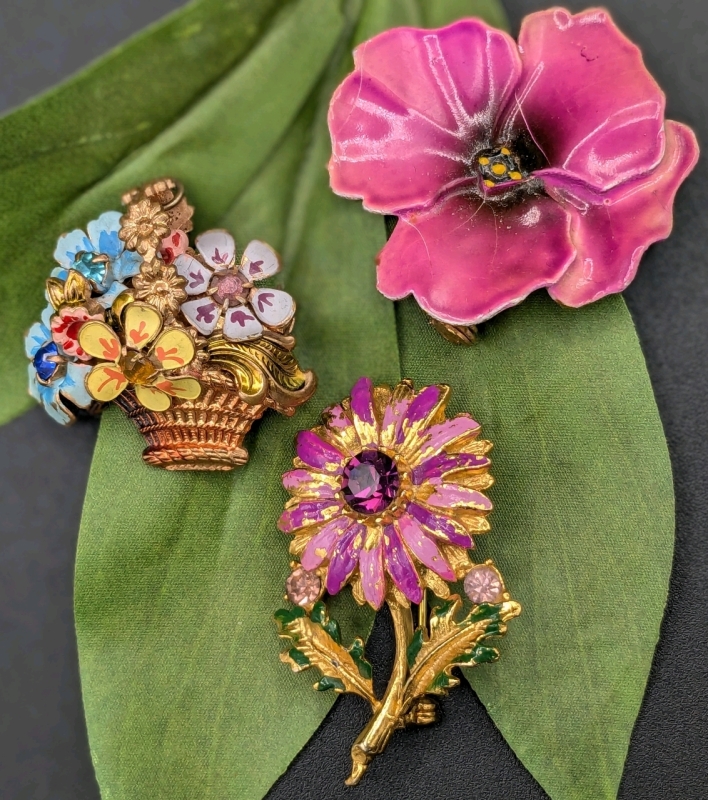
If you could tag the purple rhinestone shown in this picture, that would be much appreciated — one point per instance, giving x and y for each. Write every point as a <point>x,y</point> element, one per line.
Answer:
<point>370,482</point>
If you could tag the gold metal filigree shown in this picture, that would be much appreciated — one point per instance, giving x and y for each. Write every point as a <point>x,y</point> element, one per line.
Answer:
<point>161,286</point>
<point>143,227</point>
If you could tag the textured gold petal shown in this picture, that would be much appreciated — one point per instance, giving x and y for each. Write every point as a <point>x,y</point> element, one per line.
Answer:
<point>357,590</point>
<point>479,481</point>
<point>434,582</point>
<point>472,521</point>
<point>457,557</point>
<point>468,444</point>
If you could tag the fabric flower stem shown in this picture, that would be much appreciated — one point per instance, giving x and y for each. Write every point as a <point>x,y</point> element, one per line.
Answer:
<point>375,736</point>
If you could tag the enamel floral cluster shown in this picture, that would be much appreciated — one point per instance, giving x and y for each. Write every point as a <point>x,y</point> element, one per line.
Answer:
<point>510,167</point>
<point>137,315</point>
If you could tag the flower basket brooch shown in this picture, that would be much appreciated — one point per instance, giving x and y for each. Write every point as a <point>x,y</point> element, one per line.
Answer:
<point>188,341</point>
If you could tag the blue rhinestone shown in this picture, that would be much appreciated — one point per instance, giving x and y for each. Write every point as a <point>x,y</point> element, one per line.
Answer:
<point>46,368</point>
<point>93,270</point>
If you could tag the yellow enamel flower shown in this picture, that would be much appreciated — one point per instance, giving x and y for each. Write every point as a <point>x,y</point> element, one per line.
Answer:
<point>159,285</point>
<point>144,226</point>
<point>130,364</point>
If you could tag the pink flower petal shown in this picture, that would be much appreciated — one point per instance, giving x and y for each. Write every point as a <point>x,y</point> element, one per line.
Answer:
<point>423,547</point>
<point>436,437</point>
<point>402,122</point>
<point>612,230</point>
<point>317,453</point>
<point>464,261</point>
<point>587,98</point>
<point>304,482</point>
<point>400,567</point>
<point>322,543</point>
<point>345,557</point>
<point>362,406</point>
<point>450,495</point>
<point>306,513</point>
<point>437,466</point>
<point>440,526</point>
<point>373,582</point>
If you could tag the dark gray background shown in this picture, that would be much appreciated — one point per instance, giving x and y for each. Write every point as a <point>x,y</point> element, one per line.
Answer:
<point>44,468</point>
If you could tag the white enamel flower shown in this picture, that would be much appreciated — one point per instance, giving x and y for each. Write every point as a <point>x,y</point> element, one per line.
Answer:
<point>222,287</point>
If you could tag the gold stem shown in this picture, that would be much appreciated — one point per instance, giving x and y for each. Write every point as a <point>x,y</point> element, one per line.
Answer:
<point>423,611</point>
<point>375,736</point>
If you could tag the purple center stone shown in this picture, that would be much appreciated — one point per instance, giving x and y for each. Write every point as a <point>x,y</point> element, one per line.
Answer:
<point>370,482</point>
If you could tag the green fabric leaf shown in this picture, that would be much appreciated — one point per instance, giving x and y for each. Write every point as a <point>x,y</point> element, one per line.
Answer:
<point>582,529</point>
<point>178,575</point>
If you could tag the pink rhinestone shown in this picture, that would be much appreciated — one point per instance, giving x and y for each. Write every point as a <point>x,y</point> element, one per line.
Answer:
<point>303,587</point>
<point>483,584</point>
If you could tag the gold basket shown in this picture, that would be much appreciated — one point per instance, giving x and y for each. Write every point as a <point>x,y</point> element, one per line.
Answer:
<point>243,382</point>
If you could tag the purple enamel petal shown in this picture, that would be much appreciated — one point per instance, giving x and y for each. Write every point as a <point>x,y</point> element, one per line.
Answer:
<point>337,418</point>
<point>420,407</point>
<point>450,495</point>
<point>400,567</point>
<point>308,512</point>
<point>345,557</point>
<point>300,480</point>
<point>317,453</point>
<point>440,526</point>
<point>437,436</point>
<point>322,543</point>
<point>394,415</point>
<point>373,582</point>
<point>439,465</point>
<point>363,400</point>
<point>423,547</point>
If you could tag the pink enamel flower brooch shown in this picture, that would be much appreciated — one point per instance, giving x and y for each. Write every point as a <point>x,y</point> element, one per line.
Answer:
<point>510,166</point>
<point>387,497</point>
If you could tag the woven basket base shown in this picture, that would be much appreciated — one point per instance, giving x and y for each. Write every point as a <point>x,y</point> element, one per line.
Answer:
<point>204,434</point>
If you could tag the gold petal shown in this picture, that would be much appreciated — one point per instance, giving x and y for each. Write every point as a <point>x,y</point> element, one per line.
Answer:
<point>480,481</point>
<point>105,382</point>
<point>457,557</point>
<point>467,444</point>
<point>357,590</point>
<point>152,398</point>
<point>473,521</point>
<point>434,582</point>
<point>184,388</point>
<point>141,324</point>
<point>100,341</point>
<point>173,349</point>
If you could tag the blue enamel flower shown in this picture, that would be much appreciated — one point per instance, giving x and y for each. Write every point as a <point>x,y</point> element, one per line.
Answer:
<point>51,377</point>
<point>99,254</point>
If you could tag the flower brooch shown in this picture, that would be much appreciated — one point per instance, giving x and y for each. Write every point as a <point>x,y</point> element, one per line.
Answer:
<point>510,168</point>
<point>388,495</point>
<point>181,339</point>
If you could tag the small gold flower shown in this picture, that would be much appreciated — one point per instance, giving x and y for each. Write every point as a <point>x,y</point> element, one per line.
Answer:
<point>144,226</point>
<point>159,285</point>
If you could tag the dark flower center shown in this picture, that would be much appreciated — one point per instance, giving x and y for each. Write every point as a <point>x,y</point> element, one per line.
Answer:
<point>370,482</point>
<point>499,165</point>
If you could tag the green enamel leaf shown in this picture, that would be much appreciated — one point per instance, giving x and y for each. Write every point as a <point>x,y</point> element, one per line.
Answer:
<point>414,646</point>
<point>356,651</point>
<point>327,683</point>
<point>298,657</point>
<point>178,574</point>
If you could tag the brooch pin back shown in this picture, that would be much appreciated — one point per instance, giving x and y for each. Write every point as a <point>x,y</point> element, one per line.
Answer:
<point>387,497</point>
<point>186,340</point>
